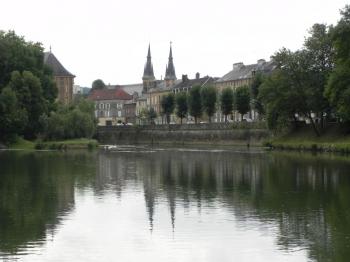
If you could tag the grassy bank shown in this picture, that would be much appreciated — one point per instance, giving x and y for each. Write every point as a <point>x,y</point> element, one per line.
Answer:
<point>82,143</point>
<point>333,139</point>
<point>23,144</point>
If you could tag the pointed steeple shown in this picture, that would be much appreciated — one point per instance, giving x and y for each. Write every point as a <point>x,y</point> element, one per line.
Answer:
<point>170,69</point>
<point>148,73</point>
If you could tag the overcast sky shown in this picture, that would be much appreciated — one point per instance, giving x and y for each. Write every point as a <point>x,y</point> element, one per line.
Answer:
<point>108,39</point>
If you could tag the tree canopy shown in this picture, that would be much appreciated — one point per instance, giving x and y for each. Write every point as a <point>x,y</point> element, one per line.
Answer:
<point>209,98</point>
<point>98,84</point>
<point>27,81</point>
<point>226,102</point>
<point>168,105</point>
<point>338,86</point>
<point>181,105</point>
<point>242,100</point>
<point>195,102</point>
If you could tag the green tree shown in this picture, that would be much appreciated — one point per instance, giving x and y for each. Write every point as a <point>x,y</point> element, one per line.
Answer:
<point>242,100</point>
<point>12,118</point>
<point>181,105</point>
<point>22,70</point>
<point>98,84</point>
<point>195,102</point>
<point>254,93</point>
<point>320,55</point>
<point>209,98</point>
<point>280,101</point>
<point>168,106</point>
<point>30,98</point>
<point>151,115</point>
<point>338,86</point>
<point>300,84</point>
<point>16,54</point>
<point>226,102</point>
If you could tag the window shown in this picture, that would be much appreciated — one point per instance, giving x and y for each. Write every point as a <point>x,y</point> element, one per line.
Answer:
<point>119,113</point>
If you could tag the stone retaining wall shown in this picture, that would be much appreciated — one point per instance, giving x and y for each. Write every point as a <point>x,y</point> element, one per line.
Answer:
<point>218,133</point>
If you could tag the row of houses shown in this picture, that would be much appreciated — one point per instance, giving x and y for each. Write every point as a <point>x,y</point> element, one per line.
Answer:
<point>127,103</point>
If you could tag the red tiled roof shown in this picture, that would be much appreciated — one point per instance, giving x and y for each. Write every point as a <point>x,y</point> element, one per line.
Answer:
<point>109,94</point>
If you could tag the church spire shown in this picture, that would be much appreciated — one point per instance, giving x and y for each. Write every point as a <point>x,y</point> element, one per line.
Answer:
<point>170,69</point>
<point>148,73</point>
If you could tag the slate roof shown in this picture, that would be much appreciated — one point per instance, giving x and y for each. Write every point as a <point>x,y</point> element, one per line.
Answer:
<point>197,81</point>
<point>241,71</point>
<point>109,94</point>
<point>57,68</point>
<point>130,89</point>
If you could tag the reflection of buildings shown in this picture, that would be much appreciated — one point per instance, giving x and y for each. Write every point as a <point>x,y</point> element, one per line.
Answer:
<point>296,195</point>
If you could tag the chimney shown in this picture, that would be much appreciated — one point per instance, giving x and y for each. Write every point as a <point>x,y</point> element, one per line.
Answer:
<point>197,75</point>
<point>184,78</point>
<point>238,66</point>
<point>261,61</point>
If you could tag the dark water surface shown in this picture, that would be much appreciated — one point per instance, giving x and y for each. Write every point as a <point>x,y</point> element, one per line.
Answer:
<point>174,205</point>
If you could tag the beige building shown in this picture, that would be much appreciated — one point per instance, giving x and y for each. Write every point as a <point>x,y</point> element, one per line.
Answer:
<point>63,78</point>
<point>242,75</point>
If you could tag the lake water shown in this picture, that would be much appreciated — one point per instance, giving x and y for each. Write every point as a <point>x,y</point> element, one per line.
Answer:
<point>174,205</point>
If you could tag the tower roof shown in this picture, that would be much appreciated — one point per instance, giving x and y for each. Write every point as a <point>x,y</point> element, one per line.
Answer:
<point>57,68</point>
<point>170,69</point>
<point>148,73</point>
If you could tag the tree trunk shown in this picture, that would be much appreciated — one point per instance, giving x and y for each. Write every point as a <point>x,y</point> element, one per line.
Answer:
<point>295,122</point>
<point>313,124</point>
<point>168,119</point>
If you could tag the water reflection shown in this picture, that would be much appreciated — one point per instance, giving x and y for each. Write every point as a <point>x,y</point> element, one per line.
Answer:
<point>36,192</point>
<point>218,199</point>
<point>306,196</point>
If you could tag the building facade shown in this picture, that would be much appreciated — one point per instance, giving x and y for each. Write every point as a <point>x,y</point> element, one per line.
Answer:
<point>242,75</point>
<point>63,78</point>
<point>109,105</point>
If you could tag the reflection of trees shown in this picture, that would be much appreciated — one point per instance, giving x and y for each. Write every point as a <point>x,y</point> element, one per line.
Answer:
<point>306,196</point>
<point>36,191</point>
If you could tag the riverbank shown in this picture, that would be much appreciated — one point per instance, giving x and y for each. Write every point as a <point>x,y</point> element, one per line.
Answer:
<point>81,143</point>
<point>333,139</point>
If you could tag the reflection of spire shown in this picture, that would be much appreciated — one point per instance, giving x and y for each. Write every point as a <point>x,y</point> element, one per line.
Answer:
<point>150,197</point>
<point>171,191</point>
<point>172,206</point>
<point>150,200</point>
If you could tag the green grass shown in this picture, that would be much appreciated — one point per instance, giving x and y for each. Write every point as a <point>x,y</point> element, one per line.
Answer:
<point>82,143</point>
<point>23,144</point>
<point>332,140</point>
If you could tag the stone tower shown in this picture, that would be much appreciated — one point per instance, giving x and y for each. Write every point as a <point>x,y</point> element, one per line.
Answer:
<point>148,78</point>
<point>63,78</point>
<point>170,75</point>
